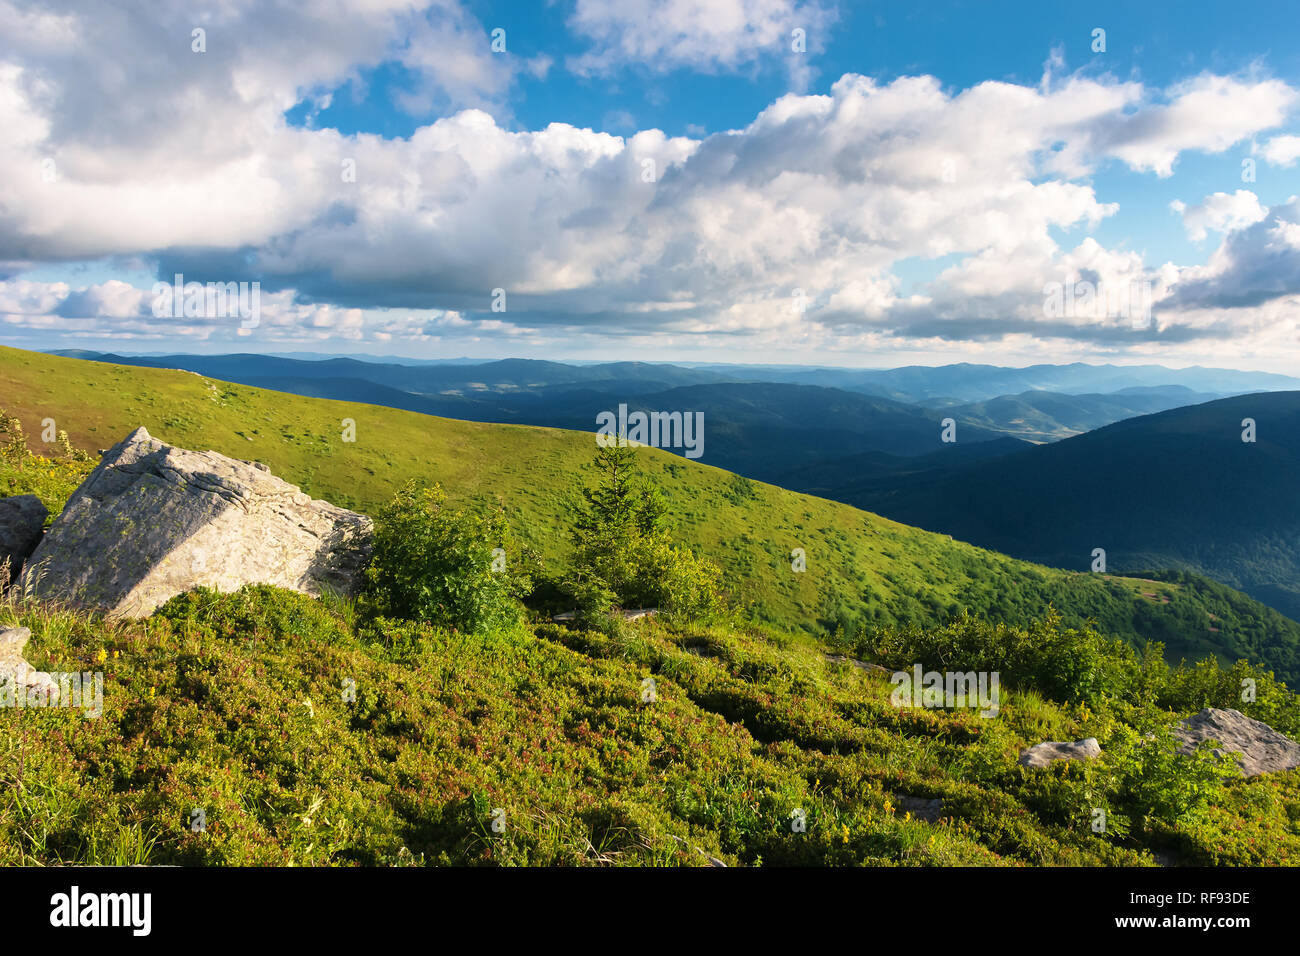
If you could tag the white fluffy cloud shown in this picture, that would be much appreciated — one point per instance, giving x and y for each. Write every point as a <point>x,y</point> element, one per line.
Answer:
<point>1221,212</point>
<point>1208,113</point>
<point>664,35</point>
<point>1282,150</point>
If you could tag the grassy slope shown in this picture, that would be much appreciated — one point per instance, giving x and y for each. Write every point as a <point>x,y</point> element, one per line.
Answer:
<point>232,704</point>
<point>862,568</point>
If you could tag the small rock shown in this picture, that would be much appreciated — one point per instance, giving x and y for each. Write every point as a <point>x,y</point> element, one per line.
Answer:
<point>1050,751</point>
<point>713,860</point>
<point>867,666</point>
<point>632,614</point>
<point>921,808</point>
<point>1256,746</point>
<point>13,667</point>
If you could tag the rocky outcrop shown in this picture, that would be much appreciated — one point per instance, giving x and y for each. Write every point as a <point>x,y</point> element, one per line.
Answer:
<point>153,521</point>
<point>22,519</point>
<point>1048,752</point>
<point>1256,747</point>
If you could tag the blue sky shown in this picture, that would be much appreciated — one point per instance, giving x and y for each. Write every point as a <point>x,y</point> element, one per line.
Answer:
<point>781,177</point>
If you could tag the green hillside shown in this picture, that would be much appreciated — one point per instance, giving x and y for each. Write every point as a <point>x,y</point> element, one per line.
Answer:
<point>1175,490</point>
<point>862,569</point>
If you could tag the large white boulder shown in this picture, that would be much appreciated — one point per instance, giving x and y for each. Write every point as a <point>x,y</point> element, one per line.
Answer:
<point>152,521</point>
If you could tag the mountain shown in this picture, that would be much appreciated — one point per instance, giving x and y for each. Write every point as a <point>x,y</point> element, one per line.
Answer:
<point>1049,416</point>
<point>760,430</point>
<point>965,382</point>
<point>1177,489</point>
<point>861,569</point>
<point>763,430</point>
<point>843,479</point>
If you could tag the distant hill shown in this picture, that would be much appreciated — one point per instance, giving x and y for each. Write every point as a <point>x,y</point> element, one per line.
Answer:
<point>505,376</point>
<point>852,476</point>
<point>762,429</point>
<point>1178,489</point>
<point>1050,416</point>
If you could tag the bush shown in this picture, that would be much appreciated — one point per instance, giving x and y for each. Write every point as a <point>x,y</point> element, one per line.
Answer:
<point>1065,664</point>
<point>1154,782</point>
<point>680,584</point>
<point>452,569</point>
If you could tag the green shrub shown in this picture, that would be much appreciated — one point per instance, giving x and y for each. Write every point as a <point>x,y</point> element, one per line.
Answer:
<point>1153,782</point>
<point>623,556</point>
<point>448,567</point>
<point>681,584</point>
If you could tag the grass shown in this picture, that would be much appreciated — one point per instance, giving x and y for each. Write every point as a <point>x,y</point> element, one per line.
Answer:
<point>305,735</point>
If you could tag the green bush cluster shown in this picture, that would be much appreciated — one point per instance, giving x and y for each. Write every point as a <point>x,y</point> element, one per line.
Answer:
<point>460,569</point>
<point>449,567</point>
<point>1065,663</point>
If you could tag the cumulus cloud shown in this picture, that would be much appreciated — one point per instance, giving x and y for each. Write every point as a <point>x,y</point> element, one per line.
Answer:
<point>1256,264</point>
<point>725,35</point>
<point>1208,113</point>
<point>1221,212</point>
<point>1282,150</point>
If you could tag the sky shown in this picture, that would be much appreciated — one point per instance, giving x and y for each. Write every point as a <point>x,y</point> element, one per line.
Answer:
<point>757,181</point>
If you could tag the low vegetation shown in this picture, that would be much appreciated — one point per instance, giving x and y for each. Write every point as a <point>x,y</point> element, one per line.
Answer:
<point>437,720</point>
<point>238,706</point>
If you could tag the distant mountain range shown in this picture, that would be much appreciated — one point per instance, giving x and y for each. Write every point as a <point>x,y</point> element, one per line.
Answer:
<point>950,384</point>
<point>789,426</point>
<point>937,386</point>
